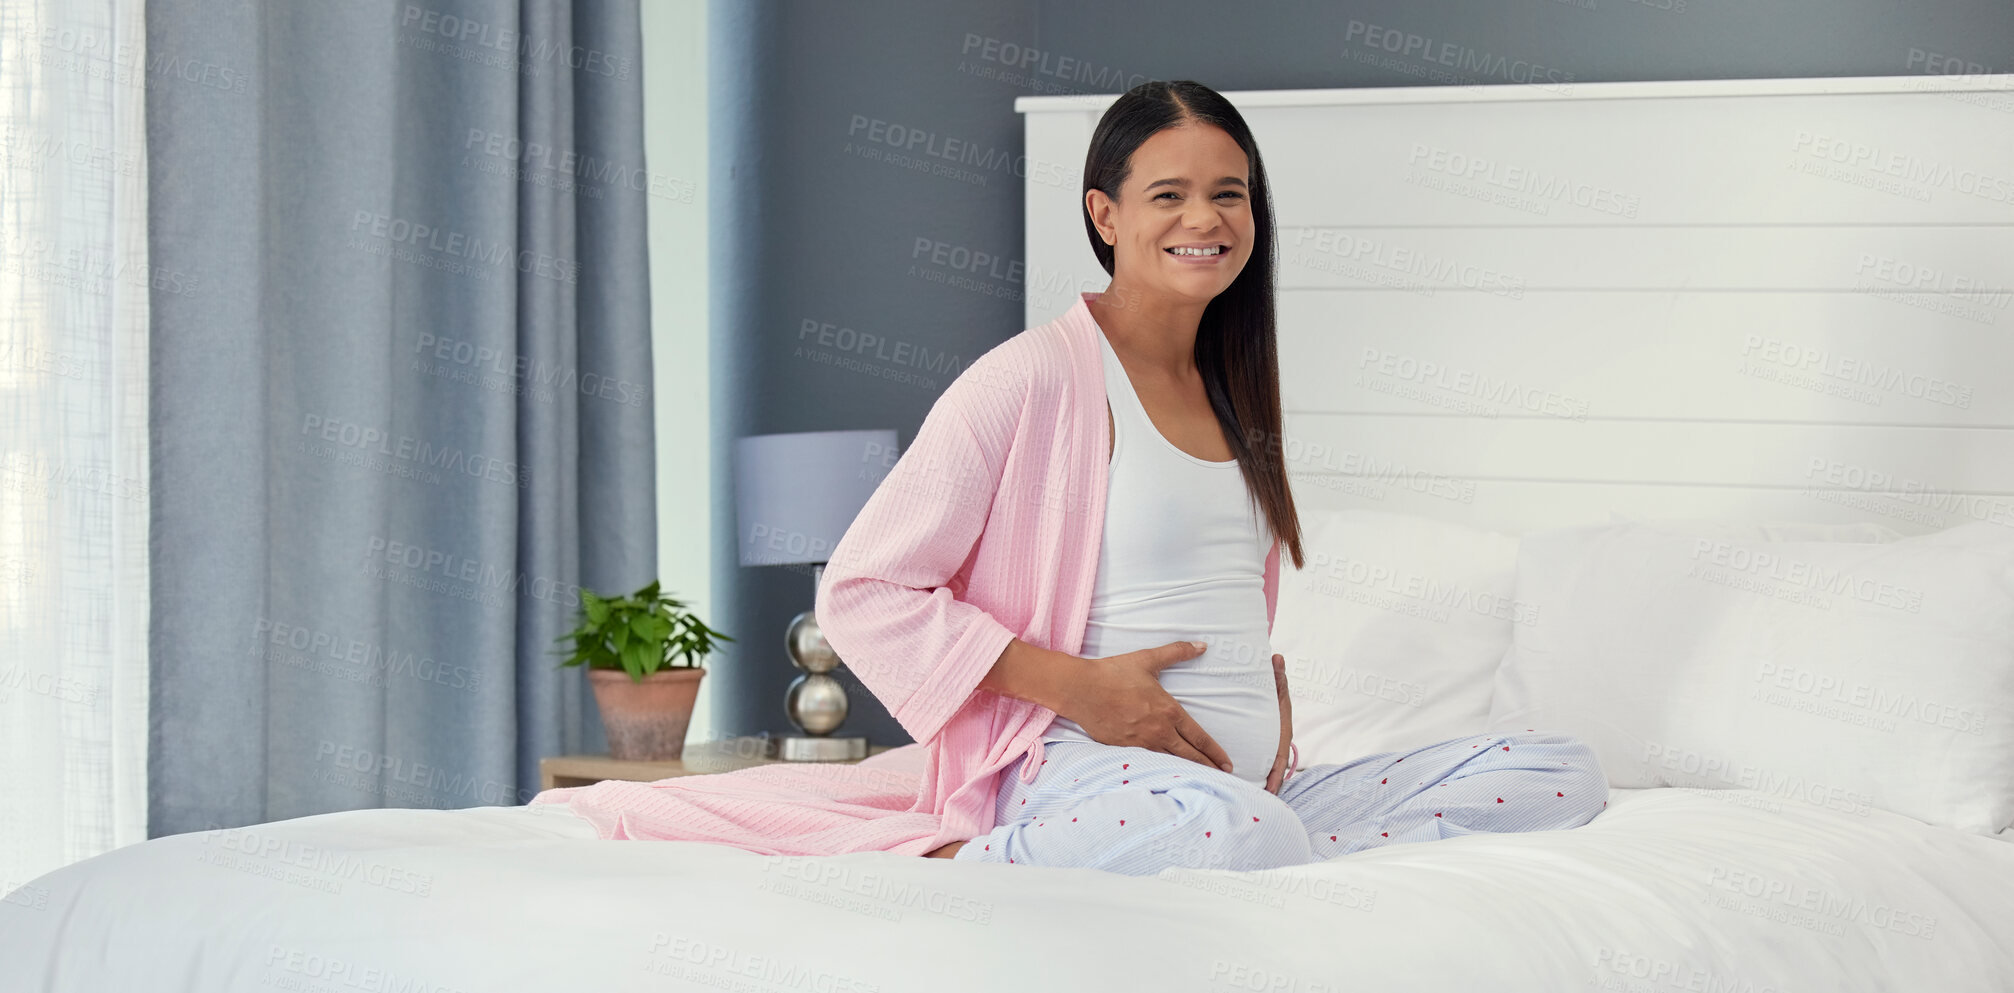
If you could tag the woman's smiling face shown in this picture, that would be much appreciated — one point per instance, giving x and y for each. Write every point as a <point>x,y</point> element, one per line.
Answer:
<point>1186,189</point>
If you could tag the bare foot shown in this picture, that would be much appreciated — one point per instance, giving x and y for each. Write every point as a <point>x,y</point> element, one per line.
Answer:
<point>946,852</point>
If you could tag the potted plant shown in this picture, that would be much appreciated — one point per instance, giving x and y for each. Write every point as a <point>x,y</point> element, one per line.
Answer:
<point>642,653</point>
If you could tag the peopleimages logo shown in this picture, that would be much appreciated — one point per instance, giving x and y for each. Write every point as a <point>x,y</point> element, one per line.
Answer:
<point>1908,490</point>
<point>431,778</point>
<point>1918,276</point>
<point>478,34</point>
<point>1856,371</point>
<point>415,563</point>
<point>1404,582</point>
<point>1904,166</point>
<point>313,971</point>
<point>366,658</point>
<point>315,859</point>
<point>1798,573</point>
<point>1472,384</point>
<point>1038,62</point>
<point>1788,786</point>
<point>928,143</point>
<point>1801,896</point>
<point>1474,61</point>
<point>1664,974</point>
<point>1830,692</point>
<point>413,450</point>
<point>889,892</point>
<point>451,244</point>
<point>1410,266</point>
<point>1524,180</point>
<point>867,344</point>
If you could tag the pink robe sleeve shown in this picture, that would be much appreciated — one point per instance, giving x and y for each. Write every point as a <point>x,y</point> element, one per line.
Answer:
<point>1272,585</point>
<point>886,601</point>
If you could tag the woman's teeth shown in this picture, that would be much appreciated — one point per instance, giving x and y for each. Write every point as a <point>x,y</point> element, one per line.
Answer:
<point>1197,251</point>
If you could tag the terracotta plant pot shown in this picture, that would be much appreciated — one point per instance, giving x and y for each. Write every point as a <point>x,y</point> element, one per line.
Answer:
<point>646,721</point>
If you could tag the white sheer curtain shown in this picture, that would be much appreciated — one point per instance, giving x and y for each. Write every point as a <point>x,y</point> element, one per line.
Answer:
<point>73,431</point>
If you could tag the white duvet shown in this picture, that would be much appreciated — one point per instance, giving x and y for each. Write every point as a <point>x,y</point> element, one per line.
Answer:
<point>1668,891</point>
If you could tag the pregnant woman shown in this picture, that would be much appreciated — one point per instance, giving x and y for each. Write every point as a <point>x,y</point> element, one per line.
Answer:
<point>1066,586</point>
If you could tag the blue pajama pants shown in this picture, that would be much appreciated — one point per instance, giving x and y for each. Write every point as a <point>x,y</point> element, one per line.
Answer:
<point>1137,811</point>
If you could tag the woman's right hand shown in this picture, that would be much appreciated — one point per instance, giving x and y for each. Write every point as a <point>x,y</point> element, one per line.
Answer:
<point>1119,701</point>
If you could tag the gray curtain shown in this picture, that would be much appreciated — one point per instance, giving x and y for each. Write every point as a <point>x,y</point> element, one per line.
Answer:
<point>400,394</point>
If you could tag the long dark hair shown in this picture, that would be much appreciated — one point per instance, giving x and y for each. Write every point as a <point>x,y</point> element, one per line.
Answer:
<point>1235,348</point>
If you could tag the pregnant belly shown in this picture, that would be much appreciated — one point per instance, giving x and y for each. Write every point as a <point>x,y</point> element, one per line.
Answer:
<point>1228,689</point>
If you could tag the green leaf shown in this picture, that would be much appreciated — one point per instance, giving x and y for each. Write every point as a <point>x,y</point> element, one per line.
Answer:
<point>635,658</point>
<point>639,633</point>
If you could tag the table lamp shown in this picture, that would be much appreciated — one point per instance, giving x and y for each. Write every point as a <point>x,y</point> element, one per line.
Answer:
<point>795,495</point>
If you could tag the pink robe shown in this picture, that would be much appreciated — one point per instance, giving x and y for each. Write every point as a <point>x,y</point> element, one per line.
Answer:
<point>987,529</point>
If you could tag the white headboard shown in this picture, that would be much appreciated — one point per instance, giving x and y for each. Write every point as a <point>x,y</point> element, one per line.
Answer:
<point>1526,307</point>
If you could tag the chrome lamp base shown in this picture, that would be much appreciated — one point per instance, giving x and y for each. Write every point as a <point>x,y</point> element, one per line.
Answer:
<point>815,702</point>
<point>803,748</point>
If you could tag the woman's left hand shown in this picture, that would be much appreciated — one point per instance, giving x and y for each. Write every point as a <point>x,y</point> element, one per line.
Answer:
<point>1279,773</point>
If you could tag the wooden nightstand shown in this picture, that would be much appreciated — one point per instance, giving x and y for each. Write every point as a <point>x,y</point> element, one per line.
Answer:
<point>701,758</point>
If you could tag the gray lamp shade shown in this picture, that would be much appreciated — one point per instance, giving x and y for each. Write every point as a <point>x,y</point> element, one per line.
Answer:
<point>796,494</point>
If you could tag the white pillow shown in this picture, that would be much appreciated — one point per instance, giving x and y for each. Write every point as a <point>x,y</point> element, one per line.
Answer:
<point>1846,674</point>
<point>1392,631</point>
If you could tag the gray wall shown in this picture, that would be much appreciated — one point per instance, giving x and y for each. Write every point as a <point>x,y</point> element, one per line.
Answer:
<point>806,229</point>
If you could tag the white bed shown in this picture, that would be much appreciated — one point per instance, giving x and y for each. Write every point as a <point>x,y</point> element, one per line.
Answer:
<point>1668,890</point>
<point>1640,320</point>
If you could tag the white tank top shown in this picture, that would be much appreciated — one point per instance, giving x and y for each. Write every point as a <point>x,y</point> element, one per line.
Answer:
<point>1183,558</point>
